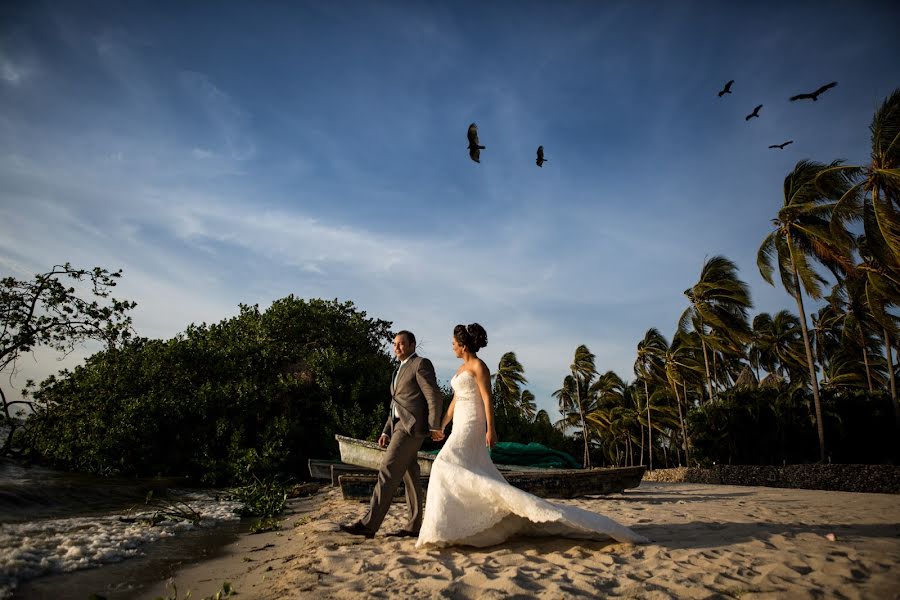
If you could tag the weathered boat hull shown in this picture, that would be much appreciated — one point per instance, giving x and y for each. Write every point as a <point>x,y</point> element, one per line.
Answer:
<point>338,471</point>
<point>568,483</point>
<point>330,470</point>
<point>320,468</point>
<point>368,454</point>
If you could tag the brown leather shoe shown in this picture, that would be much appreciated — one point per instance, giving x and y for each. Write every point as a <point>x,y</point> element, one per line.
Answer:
<point>403,533</point>
<point>358,529</point>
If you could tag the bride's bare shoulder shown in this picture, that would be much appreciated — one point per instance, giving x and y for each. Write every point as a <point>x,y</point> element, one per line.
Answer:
<point>480,368</point>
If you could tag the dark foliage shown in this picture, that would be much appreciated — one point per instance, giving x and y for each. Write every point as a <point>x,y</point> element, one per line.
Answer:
<point>772,426</point>
<point>254,395</point>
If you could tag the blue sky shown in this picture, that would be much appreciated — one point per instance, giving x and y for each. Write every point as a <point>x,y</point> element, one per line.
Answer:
<point>224,153</point>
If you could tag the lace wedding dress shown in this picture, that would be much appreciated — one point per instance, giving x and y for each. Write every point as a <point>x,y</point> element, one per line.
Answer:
<point>469,502</point>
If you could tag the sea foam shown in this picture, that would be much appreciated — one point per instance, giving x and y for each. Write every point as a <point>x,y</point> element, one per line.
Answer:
<point>34,548</point>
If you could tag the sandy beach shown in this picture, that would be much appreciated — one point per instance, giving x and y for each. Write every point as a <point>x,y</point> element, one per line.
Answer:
<point>710,541</point>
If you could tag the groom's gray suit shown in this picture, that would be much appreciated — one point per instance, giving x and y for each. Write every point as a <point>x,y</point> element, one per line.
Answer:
<point>416,408</point>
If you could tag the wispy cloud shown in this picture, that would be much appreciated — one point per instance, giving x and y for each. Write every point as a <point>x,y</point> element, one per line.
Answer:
<point>229,122</point>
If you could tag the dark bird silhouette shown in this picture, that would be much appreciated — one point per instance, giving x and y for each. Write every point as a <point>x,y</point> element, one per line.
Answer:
<point>781,146</point>
<point>540,157</point>
<point>755,113</point>
<point>726,89</point>
<point>814,95</point>
<point>474,145</point>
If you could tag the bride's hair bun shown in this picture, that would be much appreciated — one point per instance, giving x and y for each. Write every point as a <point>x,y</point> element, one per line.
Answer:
<point>472,337</point>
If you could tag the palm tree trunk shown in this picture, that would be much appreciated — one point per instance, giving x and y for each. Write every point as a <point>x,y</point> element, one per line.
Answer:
<point>890,362</point>
<point>706,364</point>
<point>820,426</point>
<point>820,356</point>
<point>649,430</point>
<point>684,438</point>
<point>642,445</point>
<point>865,351</point>
<point>715,372</point>
<point>584,432</point>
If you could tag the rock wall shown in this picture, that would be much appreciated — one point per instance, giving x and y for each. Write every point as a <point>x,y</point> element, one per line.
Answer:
<point>881,479</point>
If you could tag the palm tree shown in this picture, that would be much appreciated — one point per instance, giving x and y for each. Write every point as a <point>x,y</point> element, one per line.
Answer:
<point>787,346</point>
<point>849,315</point>
<point>583,373</point>
<point>568,406</point>
<point>718,310</point>
<point>527,405</point>
<point>650,365</point>
<point>682,364</point>
<point>880,180</point>
<point>613,408</point>
<point>509,377</point>
<point>542,417</point>
<point>882,291</point>
<point>803,232</point>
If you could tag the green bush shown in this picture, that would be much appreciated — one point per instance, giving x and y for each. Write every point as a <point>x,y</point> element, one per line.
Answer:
<point>258,393</point>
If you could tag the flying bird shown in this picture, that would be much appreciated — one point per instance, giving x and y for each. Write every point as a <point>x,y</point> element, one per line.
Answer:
<point>814,95</point>
<point>781,146</point>
<point>474,147</point>
<point>726,89</point>
<point>755,113</point>
<point>540,157</point>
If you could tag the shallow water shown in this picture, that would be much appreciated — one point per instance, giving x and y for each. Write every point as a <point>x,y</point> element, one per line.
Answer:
<point>53,523</point>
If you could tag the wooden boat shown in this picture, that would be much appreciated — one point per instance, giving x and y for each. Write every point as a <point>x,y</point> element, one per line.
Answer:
<point>330,470</point>
<point>546,483</point>
<point>368,454</point>
<point>321,468</point>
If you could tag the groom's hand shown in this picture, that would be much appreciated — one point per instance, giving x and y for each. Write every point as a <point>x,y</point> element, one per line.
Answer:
<point>383,440</point>
<point>437,435</point>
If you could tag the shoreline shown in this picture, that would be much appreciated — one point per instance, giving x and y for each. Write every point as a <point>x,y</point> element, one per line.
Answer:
<point>709,540</point>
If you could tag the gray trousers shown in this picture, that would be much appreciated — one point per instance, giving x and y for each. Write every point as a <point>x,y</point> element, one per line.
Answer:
<point>399,463</point>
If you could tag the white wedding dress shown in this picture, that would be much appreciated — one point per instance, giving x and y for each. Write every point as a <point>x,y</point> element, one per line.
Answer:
<point>470,503</point>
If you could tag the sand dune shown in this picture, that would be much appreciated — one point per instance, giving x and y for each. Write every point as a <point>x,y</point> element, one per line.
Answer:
<point>709,541</point>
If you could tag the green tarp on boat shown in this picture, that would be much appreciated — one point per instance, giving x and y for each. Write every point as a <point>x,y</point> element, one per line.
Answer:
<point>530,455</point>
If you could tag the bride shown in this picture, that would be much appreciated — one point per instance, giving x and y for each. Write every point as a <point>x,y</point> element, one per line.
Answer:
<point>468,501</point>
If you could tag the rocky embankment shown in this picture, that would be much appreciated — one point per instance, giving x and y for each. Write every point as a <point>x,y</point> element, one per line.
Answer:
<point>880,479</point>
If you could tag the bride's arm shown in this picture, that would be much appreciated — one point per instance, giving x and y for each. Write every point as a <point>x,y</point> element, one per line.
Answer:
<point>448,416</point>
<point>483,379</point>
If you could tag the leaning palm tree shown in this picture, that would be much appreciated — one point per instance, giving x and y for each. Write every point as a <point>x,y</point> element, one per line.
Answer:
<point>565,396</point>
<point>718,311</point>
<point>880,180</point>
<point>849,315</point>
<point>803,233</point>
<point>881,292</point>
<point>527,405</point>
<point>650,366</point>
<point>508,379</point>
<point>583,372</point>
<point>682,363</point>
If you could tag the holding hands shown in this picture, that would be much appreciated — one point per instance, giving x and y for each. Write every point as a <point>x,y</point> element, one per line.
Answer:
<point>437,435</point>
<point>490,438</point>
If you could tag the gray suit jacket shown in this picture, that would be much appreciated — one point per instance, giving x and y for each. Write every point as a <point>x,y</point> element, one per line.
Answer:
<point>418,399</point>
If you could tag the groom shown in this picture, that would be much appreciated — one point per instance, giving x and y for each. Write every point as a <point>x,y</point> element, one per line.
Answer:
<point>415,413</point>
